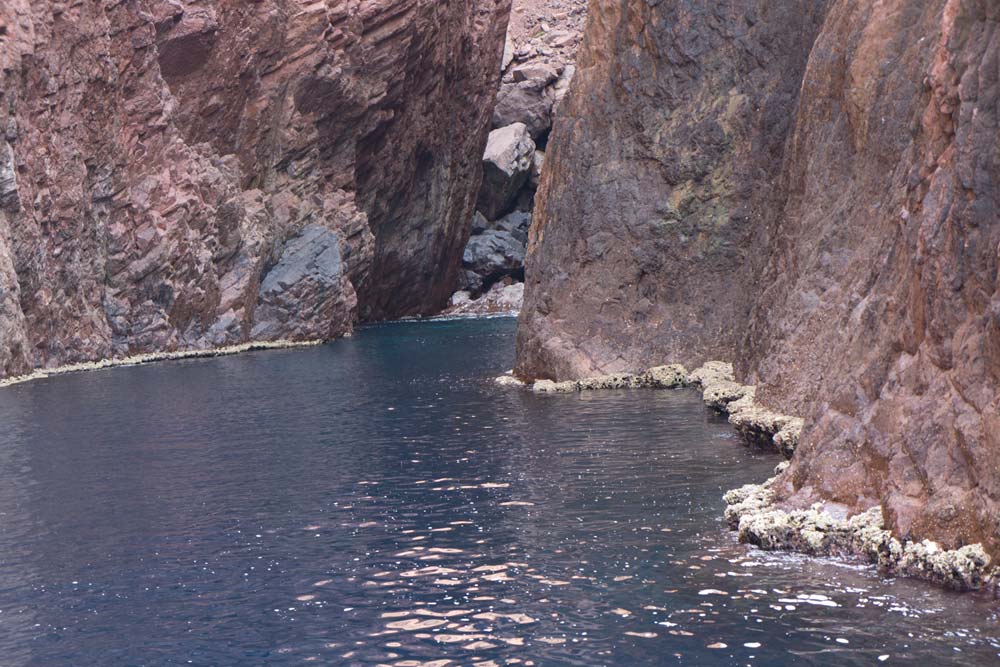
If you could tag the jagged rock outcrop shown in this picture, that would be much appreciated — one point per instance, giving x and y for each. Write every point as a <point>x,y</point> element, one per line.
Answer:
<point>160,159</point>
<point>810,189</point>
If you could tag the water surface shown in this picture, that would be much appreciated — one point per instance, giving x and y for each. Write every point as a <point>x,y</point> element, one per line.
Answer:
<point>378,501</point>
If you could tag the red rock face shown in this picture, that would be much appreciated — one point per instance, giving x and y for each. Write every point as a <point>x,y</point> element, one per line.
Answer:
<point>860,289</point>
<point>879,313</point>
<point>662,154</point>
<point>161,158</point>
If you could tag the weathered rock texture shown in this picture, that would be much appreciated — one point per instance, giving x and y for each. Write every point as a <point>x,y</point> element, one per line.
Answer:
<point>879,310</point>
<point>842,247</point>
<point>656,179</point>
<point>162,159</point>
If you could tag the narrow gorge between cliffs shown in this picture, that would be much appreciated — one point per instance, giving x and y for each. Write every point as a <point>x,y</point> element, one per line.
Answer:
<point>439,333</point>
<point>380,500</point>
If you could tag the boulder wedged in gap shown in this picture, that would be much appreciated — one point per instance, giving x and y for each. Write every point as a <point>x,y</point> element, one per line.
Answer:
<point>506,168</point>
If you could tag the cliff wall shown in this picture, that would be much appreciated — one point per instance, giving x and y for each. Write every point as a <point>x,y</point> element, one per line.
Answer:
<point>809,189</point>
<point>661,161</point>
<point>187,174</point>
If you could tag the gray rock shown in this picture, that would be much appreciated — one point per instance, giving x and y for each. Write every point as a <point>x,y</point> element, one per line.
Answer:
<point>537,162</point>
<point>542,73</point>
<point>494,254</point>
<point>470,281</point>
<point>529,102</point>
<point>506,167</point>
<point>479,223</point>
<point>516,224</point>
<point>306,295</point>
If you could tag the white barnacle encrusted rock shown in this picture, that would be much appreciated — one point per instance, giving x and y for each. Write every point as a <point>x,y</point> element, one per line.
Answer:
<point>787,439</point>
<point>551,387</point>
<point>720,394</point>
<point>712,371</point>
<point>508,380</point>
<point>752,511</point>
<point>666,377</point>
<point>748,500</point>
<point>966,568</point>
<point>612,381</point>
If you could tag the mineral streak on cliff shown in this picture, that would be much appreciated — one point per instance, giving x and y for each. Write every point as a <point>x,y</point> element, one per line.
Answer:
<point>192,174</point>
<point>810,189</point>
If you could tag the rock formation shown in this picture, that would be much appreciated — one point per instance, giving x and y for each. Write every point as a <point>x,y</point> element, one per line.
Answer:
<point>542,39</point>
<point>809,189</point>
<point>190,174</point>
<point>656,180</point>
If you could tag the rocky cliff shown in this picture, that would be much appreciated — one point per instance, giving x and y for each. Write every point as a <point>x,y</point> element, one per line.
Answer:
<point>186,174</point>
<point>809,189</point>
<point>662,155</point>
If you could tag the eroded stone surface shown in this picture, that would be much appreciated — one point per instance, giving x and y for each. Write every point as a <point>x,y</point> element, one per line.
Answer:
<point>157,158</point>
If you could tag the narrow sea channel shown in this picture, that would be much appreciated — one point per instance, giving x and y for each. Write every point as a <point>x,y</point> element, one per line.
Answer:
<point>379,501</point>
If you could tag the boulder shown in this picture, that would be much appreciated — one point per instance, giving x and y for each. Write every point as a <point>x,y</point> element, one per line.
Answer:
<point>479,223</point>
<point>506,167</point>
<point>494,254</point>
<point>544,73</point>
<point>516,224</point>
<point>470,281</point>
<point>529,102</point>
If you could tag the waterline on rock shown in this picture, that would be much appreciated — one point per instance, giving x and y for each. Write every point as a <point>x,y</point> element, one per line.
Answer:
<point>754,509</point>
<point>152,357</point>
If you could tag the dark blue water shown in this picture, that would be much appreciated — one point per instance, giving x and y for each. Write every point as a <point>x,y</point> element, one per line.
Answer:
<point>377,501</point>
